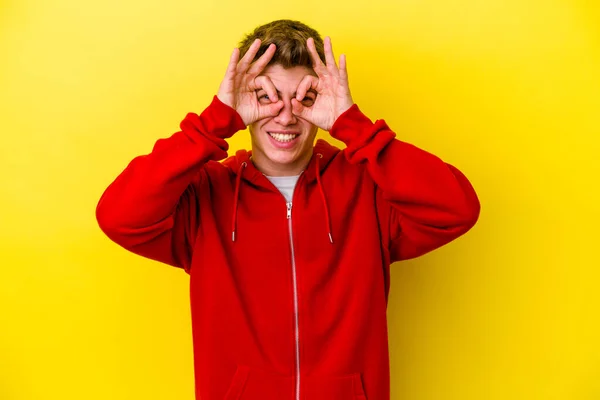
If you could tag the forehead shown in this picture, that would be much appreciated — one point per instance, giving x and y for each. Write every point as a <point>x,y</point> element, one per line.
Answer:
<point>284,78</point>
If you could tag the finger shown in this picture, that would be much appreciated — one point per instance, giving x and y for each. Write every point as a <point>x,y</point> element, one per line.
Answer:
<point>249,56</point>
<point>300,111</point>
<point>265,83</point>
<point>329,57</point>
<point>312,51</point>
<point>262,62</point>
<point>343,70</point>
<point>270,110</point>
<point>309,81</point>
<point>233,60</point>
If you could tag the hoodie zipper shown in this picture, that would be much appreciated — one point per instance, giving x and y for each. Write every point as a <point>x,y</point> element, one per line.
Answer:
<point>296,325</point>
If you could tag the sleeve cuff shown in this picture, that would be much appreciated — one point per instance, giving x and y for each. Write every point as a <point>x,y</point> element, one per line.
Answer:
<point>350,124</point>
<point>221,120</point>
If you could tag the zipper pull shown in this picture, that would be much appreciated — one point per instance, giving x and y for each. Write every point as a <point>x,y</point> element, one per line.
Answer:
<point>289,210</point>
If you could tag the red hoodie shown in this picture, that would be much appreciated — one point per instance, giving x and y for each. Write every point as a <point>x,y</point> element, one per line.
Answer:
<point>287,304</point>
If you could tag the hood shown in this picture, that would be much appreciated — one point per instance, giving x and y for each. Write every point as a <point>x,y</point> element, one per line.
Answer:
<point>242,168</point>
<point>254,176</point>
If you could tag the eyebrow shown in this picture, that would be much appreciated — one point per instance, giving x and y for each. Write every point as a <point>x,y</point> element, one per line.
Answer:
<point>311,90</point>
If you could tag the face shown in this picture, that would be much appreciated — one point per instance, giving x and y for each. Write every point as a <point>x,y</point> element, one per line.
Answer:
<point>282,145</point>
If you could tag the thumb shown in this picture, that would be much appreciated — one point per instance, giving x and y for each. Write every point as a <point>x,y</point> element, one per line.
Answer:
<point>270,110</point>
<point>299,110</point>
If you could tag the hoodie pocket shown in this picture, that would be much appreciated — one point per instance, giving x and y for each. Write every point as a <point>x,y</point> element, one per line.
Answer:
<point>348,387</point>
<point>236,387</point>
<point>254,384</point>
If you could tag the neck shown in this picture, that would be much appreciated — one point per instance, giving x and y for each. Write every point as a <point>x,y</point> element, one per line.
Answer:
<point>269,168</point>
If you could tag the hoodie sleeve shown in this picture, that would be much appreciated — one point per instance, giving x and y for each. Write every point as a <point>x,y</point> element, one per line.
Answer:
<point>151,208</point>
<point>427,202</point>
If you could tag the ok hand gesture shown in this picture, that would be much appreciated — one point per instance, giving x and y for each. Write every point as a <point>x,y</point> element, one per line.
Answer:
<point>331,85</point>
<point>238,88</point>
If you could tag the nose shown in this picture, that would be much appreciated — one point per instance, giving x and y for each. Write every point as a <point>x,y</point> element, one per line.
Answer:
<point>286,116</point>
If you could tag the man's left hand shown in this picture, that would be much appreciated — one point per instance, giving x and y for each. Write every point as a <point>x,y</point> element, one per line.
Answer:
<point>331,84</point>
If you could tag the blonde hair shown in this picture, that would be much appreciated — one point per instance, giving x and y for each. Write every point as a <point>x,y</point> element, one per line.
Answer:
<point>290,38</point>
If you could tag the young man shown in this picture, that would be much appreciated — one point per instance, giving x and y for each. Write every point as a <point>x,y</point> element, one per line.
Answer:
<point>289,246</point>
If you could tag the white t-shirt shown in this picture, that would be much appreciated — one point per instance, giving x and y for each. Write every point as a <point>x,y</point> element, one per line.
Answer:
<point>285,184</point>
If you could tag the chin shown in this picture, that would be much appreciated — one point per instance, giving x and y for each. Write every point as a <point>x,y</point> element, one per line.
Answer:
<point>284,156</point>
<point>282,159</point>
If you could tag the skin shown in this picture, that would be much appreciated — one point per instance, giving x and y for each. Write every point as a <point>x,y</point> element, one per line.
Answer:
<point>267,157</point>
<point>297,100</point>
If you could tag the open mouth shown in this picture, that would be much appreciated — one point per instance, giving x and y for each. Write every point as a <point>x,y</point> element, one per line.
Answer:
<point>283,137</point>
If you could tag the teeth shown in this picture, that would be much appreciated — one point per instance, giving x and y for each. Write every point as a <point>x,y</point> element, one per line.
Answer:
<point>282,137</point>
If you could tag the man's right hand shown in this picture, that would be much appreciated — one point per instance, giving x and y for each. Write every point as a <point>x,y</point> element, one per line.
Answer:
<point>238,89</point>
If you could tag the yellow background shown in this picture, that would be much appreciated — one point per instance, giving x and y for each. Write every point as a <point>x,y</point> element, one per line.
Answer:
<point>506,90</point>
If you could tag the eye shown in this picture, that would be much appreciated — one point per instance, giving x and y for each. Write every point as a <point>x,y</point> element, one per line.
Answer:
<point>308,101</point>
<point>264,98</point>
